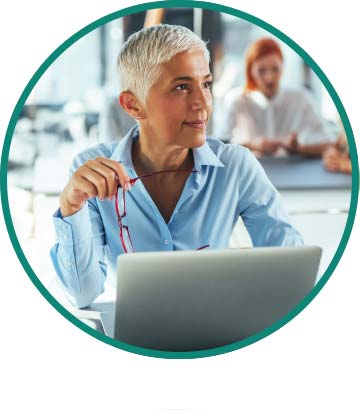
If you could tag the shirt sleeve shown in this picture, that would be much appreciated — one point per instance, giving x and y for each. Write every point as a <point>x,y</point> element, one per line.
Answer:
<point>313,129</point>
<point>78,255</point>
<point>262,209</point>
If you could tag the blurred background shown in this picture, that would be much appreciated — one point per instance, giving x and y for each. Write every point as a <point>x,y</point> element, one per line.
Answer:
<point>74,106</point>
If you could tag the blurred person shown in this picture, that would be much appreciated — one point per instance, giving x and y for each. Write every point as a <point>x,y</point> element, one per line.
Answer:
<point>268,118</point>
<point>174,188</point>
<point>336,158</point>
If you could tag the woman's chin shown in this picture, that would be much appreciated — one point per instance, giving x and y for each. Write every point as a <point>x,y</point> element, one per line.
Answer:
<point>197,142</point>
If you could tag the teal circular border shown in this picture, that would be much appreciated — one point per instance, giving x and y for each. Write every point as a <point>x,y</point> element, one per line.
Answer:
<point>55,55</point>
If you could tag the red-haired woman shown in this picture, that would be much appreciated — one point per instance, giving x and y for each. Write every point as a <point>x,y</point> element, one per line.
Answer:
<point>268,118</point>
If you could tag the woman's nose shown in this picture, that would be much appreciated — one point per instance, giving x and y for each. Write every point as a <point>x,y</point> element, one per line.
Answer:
<point>269,76</point>
<point>201,99</point>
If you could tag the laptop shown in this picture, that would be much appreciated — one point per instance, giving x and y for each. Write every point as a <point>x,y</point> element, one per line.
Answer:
<point>194,300</point>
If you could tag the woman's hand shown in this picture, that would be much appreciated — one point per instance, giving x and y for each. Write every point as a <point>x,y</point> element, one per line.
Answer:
<point>291,143</point>
<point>331,159</point>
<point>266,145</point>
<point>96,178</point>
<point>336,161</point>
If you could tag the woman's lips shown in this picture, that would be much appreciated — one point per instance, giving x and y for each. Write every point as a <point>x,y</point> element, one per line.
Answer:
<point>200,124</point>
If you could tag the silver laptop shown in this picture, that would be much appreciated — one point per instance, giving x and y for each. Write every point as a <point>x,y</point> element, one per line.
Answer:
<point>194,300</point>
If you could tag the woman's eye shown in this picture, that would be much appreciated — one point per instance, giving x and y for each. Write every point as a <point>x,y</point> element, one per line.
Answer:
<point>208,84</point>
<point>181,87</point>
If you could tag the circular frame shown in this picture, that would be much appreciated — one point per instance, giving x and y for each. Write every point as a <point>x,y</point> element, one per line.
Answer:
<point>4,187</point>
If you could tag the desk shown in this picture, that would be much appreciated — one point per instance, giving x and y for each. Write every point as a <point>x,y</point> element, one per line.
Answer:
<point>90,315</point>
<point>294,173</point>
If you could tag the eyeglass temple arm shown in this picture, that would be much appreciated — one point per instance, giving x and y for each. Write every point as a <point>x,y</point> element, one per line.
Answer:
<point>133,180</point>
<point>202,247</point>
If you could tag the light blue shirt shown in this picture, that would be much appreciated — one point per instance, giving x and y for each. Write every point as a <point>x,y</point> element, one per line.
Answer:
<point>229,183</point>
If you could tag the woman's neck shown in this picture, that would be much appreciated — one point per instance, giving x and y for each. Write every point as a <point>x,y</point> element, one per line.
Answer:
<point>148,157</point>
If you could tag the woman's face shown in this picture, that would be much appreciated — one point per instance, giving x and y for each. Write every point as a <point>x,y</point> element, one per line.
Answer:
<point>179,103</point>
<point>266,73</point>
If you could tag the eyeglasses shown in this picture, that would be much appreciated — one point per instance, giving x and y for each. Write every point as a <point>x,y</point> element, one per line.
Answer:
<point>120,207</point>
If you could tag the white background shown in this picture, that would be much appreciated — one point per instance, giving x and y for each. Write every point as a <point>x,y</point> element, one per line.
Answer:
<point>313,362</point>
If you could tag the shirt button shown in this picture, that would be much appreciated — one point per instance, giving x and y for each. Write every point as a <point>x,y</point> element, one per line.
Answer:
<point>166,242</point>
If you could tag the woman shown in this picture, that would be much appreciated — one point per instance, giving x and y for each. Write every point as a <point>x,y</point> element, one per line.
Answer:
<point>269,119</point>
<point>196,203</point>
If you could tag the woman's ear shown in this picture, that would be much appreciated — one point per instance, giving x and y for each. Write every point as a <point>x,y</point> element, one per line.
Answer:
<point>131,105</point>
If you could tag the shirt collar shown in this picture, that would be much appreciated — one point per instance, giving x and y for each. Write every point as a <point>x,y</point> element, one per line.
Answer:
<point>204,155</point>
<point>122,152</point>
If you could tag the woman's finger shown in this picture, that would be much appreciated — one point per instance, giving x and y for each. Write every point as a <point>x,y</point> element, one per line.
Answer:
<point>95,178</point>
<point>107,173</point>
<point>82,185</point>
<point>123,177</point>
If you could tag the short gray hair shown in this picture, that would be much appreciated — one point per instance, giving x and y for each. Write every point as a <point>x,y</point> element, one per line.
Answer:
<point>143,53</point>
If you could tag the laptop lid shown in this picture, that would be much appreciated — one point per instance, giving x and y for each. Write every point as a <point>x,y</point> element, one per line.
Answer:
<point>194,300</point>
